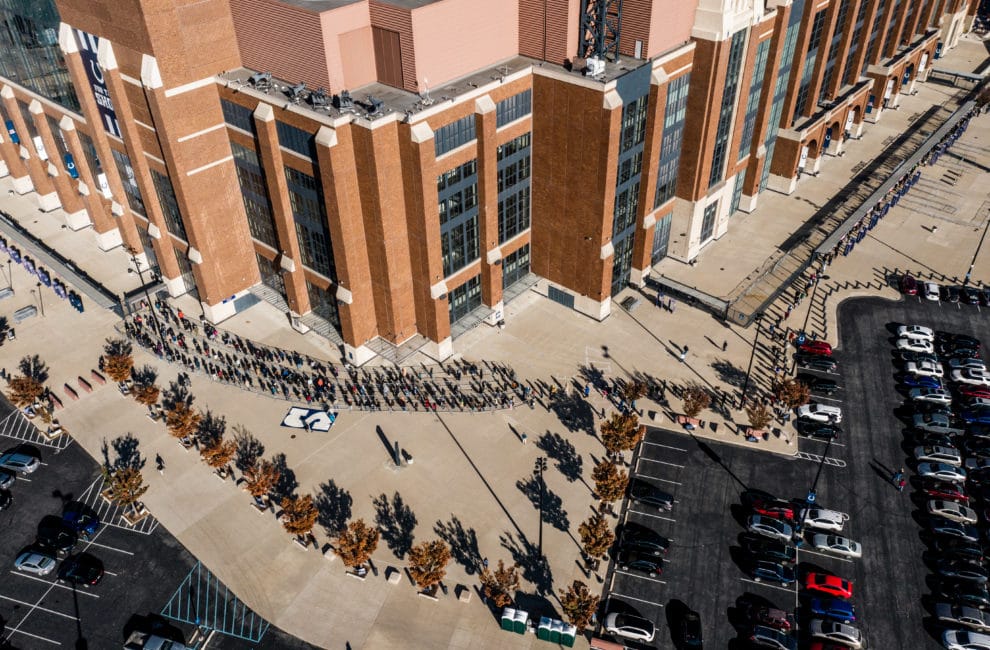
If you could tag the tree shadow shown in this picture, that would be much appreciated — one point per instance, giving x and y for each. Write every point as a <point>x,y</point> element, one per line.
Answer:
<point>729,373</point>
<point>463,543</point>
<point>553,506</point>
<point>125,449</point>
<point>563,453</point>
<point>396,521</point>
<point>334,506</point>
<point>534,567</point>
<point>145,375</point>
<point>211,429</point>
<point>573,412</point>
<point>249,449</point>
<point>176,394</point>
<point>287,483</point>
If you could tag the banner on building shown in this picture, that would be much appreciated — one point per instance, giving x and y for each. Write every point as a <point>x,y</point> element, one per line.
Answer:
<point>88,49</point>
<point>101,180</point>
<point>804,157</point>
<point>889,90</point>
<point>39,146</point>
<point>828,138</point>
<point>923,63</point>
<point>12,132</point>
<point>70,166</point>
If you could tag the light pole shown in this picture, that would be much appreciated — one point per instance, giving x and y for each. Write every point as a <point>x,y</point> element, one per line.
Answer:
<point>10,276</point>
<point>147,297</point>
<point>752,355</point>
<point>41,301</point>
<point>539,467</point>
<point>975,255</point>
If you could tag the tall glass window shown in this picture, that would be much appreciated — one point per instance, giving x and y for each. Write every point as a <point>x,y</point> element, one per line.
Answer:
<point>170,206</point>
<point>854,43</point>
<point>728,107</point>
<point>310,217</point>
<point>131,189</point>
<point>254,191</point>
<point>512,108</point>
<point>661,238</point>
<point>296,140</point>
<point>833,49</point>
<point>271,274</point>
<point>780,88</point>
<point>513,187</point>
<point>464,299</point>
<point>673,136</point>
<point>457,196</point>
<point>753,103</point>
<point>875,38</point>
<point>515,266</point>
<point>453,135</point>
<point>708,222</point>
<point>29,50</point>
<point>817,26</point>
<point>323,302</point>
<point>239,116</point>
<point>627,184</point>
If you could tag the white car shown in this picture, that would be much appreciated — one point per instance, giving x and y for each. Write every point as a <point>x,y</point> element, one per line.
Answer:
<point>769,527</point>
<point>960,364</point>
<point>630,627</point>
<point>820,413</point>
<point>938,454</point>
<point>962,615</point>
<point>823,519</point>
<point>916,332</point>
<point>964,640</point>
<point>952,511</point>
<point>971,376</point>
<point>924,368</point>
<point>942,472</point>
<point>915,345</point>
<point>838,545</point>
<point>835,631</point>
<point>36,562</point>
<point>934,395</point>
<point>930,291</point>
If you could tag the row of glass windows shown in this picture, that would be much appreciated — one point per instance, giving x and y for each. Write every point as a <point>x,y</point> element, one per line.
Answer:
<point>254,191</point>
<point>675,112</point>
<point>630,167</point>
<point>854,43</point>
<point>296,140</point>
<point>708,222</point>
<point>513,146</point>
<point>312,230</point>
<point>453,135</point>
<point>29,50</point>
<point>236,115</point>
<point>457,192</point>
<point>753,103</point>
<point>513,173</point>
<point>810,59</point>
<point>515,266</point>
<point>626,204</point>
<point>458,202</point>
<point>464,299</point>
<point>513,214</point>
<point>727,108</point>
<point>459,245</point>
<point>633,123</point>
<point>512,108</point>
<point>131,189</point>
<point>170,206</point>
<point>457,175</point>
<point>513,187</point>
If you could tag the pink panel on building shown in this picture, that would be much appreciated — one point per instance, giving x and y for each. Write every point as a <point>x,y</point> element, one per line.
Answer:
<point>350,55</point>
<point>399,20</point>
<point>670,25</point>
<point>456,37</point>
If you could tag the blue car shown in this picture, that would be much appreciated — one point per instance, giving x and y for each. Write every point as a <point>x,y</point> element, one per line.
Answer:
<point>919,381</point>
<point>81,518</point>
<point>773,572</point>
<point>977,416</point>
<point>833,608</point>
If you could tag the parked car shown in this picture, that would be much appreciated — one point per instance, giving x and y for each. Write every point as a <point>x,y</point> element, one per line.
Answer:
<point>81,569</point>
<point>772,572</point>
<point>965,341</point>
<point>819,385</point>
<point>909,380</point>
<point>976,464</point>
<point>835,631</point>
<point>915,345</point>
<point>767,637</point>
<point>954,529</point>
<point>962,615</point>
<point>831,585</point>
<point>775,509</point>
<point>815,362</point>
<point>918,332</point>
<point>816,429</point>
<point>923,369</point>
<point>970,296</point>
<point>938,454</point>
<point>961,363</point>
<point>958,548</point>
<point>37,560</point>
<point>54,533</point>
<point>633,560</point>
<point>689,631</point>
<point>931,291</point>
<point>820,413</point>
<point>824,519</point>
<point>942,472</point>
<point>973,390</point>
<point>910,355</point>
<point>935,395</point>
<point>950,294</point>
<point>977,415</point>
<point>6,479</point>
<point>944,491</point>
<point>962,570</point>
<point>630,627</point>
<point>644,540</point>
<point>823,348</point>
<point>838,545</point>
<point>648,494</point>
<point>6,498</point>
<point>963,592</point>
<point>832,608</point>
<point>965,640</point>
<point>909,286</point>
<point>975,402</point>
<point>768,527</point>
<point>19,463</point>
<point>936,423</point>
<point>772,617</point>
<point>768,549</point>
<point>972,376</point>
<point>81,518</point>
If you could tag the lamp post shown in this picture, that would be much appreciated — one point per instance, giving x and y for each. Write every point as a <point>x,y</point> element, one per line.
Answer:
<point>975,255</point>
<point>539,467</point>
<point>41,301</point>
<point>10,276</point>
<point>147,297</point>
<point>752,355</point>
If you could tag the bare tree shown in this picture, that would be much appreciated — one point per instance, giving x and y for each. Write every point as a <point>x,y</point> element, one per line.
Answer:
<point>791,393</point>
<point>357,543</point>
<point>27,387</point>
<point>759,416</point>
<point>579,604</point>
<point>610,481</point>
<point>428,563</point>
<point>299,515</point>
<point>117,359</point>
<point>696,400</point>
<point>125,486</point>
<point>262,477</point>
<point>596,535</point>
<point>500,585</point>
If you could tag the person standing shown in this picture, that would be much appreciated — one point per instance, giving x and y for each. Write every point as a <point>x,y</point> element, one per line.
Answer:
<point>725,344</point>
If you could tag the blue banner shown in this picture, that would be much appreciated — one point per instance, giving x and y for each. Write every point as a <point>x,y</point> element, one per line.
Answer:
<point>70,166</point>
<point>828,137</point>
<point>88,48</point>
<point>13,132</point>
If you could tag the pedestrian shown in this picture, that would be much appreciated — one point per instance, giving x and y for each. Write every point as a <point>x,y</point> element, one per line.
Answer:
<point>896,477</point>
<point>484,563</point>
<point>900,485</point>
<point>160,464</point>
<point>587,389</point>
<point>683,354</point>
<point>725,344</point>
<point>659,297</point>
<point>671,305</point>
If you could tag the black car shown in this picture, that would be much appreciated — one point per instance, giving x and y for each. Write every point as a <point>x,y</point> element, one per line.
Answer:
<point>978,432</point>
<point>640,538</point>
<point>928,408</point>
<point>962,570</point>
<point>950,294</point>
<point>961,353</point>
<point>958,548</point>
<point>974,446</point>
<point>81,569</point>
<point>6,498</point>
<point>631,560</point>
<point>819,385</point>
<point>814,429</point>
<point>965,341</point>
<point>815,361</point>
<point>648,494</point>
<point>970,295</point>
<point>985,296</point>
<point>690,631</point>
<point>963,592</point>
<point>911,355</point>
<point>53,532</point>
<point>7,479</point>
<point>768,549</point>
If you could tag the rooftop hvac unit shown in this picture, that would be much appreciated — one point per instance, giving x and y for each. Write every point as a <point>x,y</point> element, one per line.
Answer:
<point>596,66</point>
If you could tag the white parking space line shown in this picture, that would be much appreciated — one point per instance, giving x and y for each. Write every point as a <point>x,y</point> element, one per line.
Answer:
<point>21,478</point>
<point>824,442</point>
<point>768,584</point>
<point>827,399</point>
<point>663,480</point>
<point>625,597</point>
<point>828,555</point>
<point>53,584</point>
<point>111,548</point>
<point>109,573</point>
<point>636,575</point>
<point>35,636</point>
<point>661,462</point>
<point>646,514</point>
<point>657,444</point>
<point>34,607</point>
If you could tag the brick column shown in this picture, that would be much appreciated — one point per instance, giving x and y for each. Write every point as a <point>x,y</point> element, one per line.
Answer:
<point>66,187</point>
<point>107,233</point>
<point>355,298</point>
<point>491,252</point>
<point>13,164</point>
<point>37,168</point>
<point>290,258</point>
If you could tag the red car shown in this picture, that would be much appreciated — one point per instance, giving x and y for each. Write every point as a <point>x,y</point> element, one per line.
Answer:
<point>774,510</point>
<point>828,584</point>
<point>970,390</point>
<point>945,491</point>
<point>821,348</point>
<point>819,645</point>
<point>909,286</point>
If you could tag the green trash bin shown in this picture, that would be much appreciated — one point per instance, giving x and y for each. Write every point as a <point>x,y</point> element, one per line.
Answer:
<point>556,628</point>
<point>568,635</point>
<point>519,624</point>
<point>543,631</point>
<point>508,619</point>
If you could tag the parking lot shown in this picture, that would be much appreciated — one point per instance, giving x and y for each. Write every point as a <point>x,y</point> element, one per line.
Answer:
<point>146,569</point>
<point>706,568</point>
